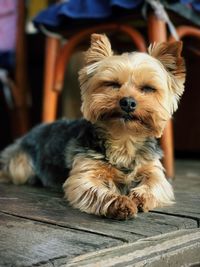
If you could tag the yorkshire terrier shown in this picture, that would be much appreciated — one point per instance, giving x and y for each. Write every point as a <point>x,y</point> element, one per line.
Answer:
<point>109,161</point>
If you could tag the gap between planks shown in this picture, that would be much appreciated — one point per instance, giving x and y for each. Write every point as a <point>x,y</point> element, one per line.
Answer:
<point>45,222</point>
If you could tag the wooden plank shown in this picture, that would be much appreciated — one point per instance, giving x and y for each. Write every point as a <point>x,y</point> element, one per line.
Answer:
<point>45,206</point>
<point>78,229</point>
<point>24,242</point>
<point>187,176</point>
<point>187,205</point>
<point>180,248</point>
<point>184,167</point>
<point>187,191</point>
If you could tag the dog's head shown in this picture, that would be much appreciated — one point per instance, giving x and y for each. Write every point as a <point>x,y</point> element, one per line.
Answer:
<point>138,91</point>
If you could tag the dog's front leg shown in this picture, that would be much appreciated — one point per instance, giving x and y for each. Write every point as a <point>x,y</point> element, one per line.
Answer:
<point>92,188</point>
<point>154,190</point>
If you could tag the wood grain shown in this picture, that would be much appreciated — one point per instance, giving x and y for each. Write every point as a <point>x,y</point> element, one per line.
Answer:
<point>25,242</point>
<point>45,206</point>
<point>39,228</point>
<point>180,248</point>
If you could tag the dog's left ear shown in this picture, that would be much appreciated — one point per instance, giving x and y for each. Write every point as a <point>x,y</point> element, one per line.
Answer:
<point>169,54</point>
<point>100,48</point>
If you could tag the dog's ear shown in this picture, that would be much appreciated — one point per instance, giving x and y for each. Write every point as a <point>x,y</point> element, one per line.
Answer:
<point>100,48</point>
<point>169,54</point>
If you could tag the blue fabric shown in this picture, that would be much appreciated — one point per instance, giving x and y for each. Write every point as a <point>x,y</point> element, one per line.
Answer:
<point>82,9</point>
<point>194,3</point>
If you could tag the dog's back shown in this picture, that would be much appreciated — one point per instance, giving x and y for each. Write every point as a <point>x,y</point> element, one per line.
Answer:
<point>40,156</point>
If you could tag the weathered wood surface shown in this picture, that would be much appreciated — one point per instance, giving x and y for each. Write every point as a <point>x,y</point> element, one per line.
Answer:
<point>187,189</point>
<point>25,242</point>
<point>179,248</point>
<point>44,206</point>
<point>37,227</point>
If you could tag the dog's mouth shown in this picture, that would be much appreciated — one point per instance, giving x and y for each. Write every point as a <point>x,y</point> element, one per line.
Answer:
<point>130,117</point>
<point>120,116</point>
<point>111,116</point>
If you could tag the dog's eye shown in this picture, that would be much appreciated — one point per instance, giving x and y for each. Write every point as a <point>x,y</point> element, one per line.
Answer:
<point>148,89</point>
<point>114,85</point>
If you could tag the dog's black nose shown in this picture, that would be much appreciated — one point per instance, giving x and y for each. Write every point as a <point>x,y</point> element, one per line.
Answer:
<point>127,104</point>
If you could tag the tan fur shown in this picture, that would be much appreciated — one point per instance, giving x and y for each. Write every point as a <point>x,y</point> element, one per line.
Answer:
<point>154,190</point>
<point>99,49</point>
<point>20,168</point>
<point>17,165</point>
<point>169,54</point>
<point>122,208</point>
<point>121,150</point>
<point>92,187</point>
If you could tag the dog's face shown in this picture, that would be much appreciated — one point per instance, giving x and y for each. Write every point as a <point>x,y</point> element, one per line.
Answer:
<point>136,90</point>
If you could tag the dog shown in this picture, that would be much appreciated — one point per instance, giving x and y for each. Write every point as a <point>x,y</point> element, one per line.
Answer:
<point>109,161</point>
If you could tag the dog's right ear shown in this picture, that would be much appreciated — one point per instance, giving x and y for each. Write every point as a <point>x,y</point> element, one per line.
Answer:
<point>100,48</point>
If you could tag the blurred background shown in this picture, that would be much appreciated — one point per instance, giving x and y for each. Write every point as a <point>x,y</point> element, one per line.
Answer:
<point>33,46</point>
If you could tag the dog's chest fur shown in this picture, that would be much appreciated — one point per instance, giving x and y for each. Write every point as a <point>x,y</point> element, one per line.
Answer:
<point>129,154</point>
<point>122,152</point>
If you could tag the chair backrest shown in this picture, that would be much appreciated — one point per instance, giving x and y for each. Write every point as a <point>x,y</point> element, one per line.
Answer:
<point>69,47</point>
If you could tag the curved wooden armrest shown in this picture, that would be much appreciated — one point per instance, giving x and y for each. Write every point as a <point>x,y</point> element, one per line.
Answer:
<point>69,47</point>
<point>184,31</point>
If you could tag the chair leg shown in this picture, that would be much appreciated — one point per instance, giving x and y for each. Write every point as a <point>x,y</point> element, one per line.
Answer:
<point>20,114</point>
<point>50,96</point>
<point>168,148</point>
<point>157,33</point>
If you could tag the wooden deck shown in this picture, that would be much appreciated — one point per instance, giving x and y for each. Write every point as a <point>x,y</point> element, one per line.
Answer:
<point>38,228</point>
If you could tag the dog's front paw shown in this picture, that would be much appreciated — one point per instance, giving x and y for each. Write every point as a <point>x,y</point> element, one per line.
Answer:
<point>122,208</point>
<point>143,198</point>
